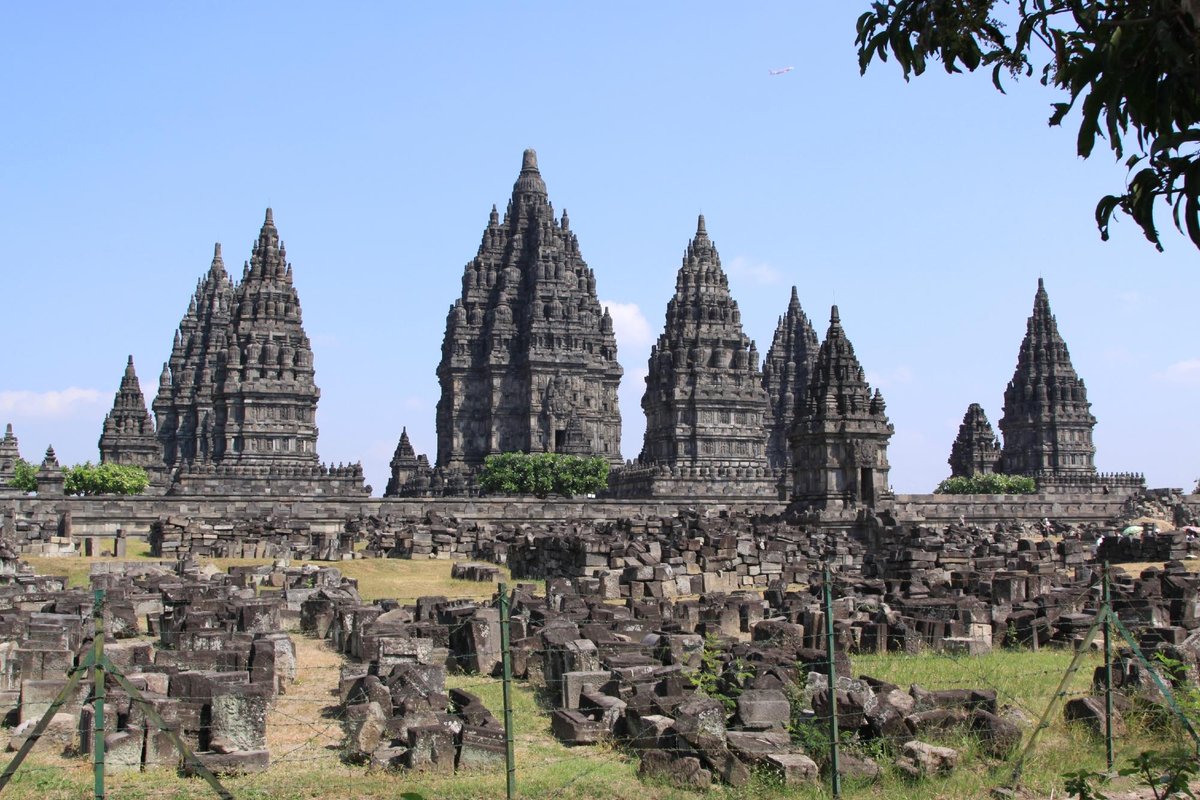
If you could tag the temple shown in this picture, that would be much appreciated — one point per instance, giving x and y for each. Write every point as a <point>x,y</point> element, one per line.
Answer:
<point>840,438</point>
<point>237,401</point>
<point>1047,422</point>
<point>410,473</point>
<point>128,438</point>
<point>185,409</point>
<point>10,453</point>
<point>705,405</point>
<point>785,375</point>
<point>976,450</point>
<point>529,359</point>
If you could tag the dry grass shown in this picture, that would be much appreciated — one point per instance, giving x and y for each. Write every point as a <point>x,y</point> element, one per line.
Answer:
<point>1135,567</point>
<point>378,578</point>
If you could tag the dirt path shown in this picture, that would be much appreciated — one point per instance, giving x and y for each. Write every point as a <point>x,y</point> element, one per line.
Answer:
<point>304,726</point>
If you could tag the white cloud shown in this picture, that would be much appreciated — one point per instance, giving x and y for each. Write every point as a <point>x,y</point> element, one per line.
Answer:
<point>49,405</point>
<point>757,272</point>
<point>901,375</point>
<point>630,326</point>
<point>1182,373</point>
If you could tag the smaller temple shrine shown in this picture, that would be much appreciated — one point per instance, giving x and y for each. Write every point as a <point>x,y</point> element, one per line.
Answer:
<point>785,375</point>
<point>410,473</point>
<point>10,453</point>
<point>976,450</point>
<point>841,435</point>
<point>128,438</point>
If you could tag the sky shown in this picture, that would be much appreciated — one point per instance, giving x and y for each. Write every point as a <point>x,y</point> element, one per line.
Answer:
<point>136,135</point>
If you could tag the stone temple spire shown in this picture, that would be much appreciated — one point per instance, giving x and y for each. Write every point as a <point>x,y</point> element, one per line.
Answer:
<point>1047,422</point>
<point>527,346</point>
<point>10,452</point>
<point>268,389</point>
<point>406,466</point>
<point>704,400</point>
<point>785,375</point>
<point>976,451</point>
<point>185,408</point>
<point>840,437</point>
<point>128,437</point>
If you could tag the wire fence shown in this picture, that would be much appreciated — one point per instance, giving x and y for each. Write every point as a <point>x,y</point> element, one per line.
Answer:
<point>954,698</point>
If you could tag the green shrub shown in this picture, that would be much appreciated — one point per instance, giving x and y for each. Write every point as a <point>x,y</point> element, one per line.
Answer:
<point>24,476</point>
<point>541,474</point>
<point>990,483</point>
<point>92,479</point>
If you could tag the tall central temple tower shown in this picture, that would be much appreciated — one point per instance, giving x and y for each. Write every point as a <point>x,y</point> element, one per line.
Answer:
<point>529,360</point>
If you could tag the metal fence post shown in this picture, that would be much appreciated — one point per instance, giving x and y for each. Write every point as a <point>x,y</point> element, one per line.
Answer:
<point>1106,610</point>
<point>835,777</point>
<point>506,660</point>
<point>98,692</point>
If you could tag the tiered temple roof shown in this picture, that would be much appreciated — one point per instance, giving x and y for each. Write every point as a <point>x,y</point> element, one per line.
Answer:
<point>785,375</point>
<point>128,437</point>
<point>976,451</point>
<point>840,439</point>
<point>236,405</point>
<point>186,407</point>
<point>407,469</point>
<point>704,400</point>
<point>1047,422</point>
<point>529,357</point>
<point>269,395</point>
<point>10,452</point>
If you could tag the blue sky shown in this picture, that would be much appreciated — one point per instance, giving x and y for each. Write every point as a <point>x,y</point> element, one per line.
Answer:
<point>136,135</point>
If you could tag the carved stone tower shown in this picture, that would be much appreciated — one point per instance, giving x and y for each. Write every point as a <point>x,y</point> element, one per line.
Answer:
<point>704,401</point>
<point>976,451</point>
<point>10,451</point>
<point>1047,423</point>
<point>236,405</point>
<point>185,408</point>
<point>785,374</point>
<point>529,360</point>
<point>409,471</point>
<point>269,394</point>
<point>128,438</point>
<point>841,435</point>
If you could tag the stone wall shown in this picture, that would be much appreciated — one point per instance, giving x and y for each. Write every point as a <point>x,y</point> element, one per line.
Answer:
<point>29,518</point>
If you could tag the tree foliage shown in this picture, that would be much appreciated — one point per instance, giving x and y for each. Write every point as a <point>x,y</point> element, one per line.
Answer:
<point>1130,67</point>
<point>24,476</point>
<point>989,483</point>
<point>93,479</point>
<point>541,474</point>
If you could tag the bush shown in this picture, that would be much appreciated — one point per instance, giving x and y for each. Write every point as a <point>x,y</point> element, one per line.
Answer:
<point>990,483</point>
<point>92,479</point>
<point>24,476</point>
<point>541,474</point>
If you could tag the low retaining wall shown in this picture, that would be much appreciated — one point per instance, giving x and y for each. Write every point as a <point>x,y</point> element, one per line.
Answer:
<point>30,518</point>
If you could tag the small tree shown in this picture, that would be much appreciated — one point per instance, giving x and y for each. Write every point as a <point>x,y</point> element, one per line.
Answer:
<point>24,476</point>
<point>541,474</point>
<point>989,483</point>
<point>92,479</point>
